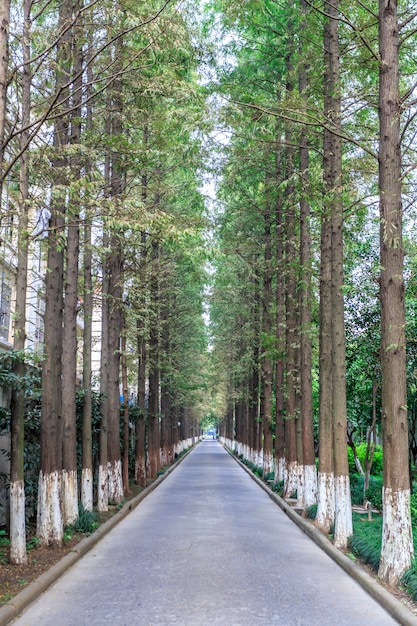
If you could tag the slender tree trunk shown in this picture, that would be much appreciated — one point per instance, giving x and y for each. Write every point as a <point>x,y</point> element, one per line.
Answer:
<point>397,542</point>
<point>343,511</point>
<point>18,402</point>
<point>140,454</point>
<point>370,441</point>
<point>126,486</point>
<point>291,308</point>
<point>326,494</point>
<point>266,364</point>
<point>153,411</point>
<point>49,517</point>
<point>69,341</point>
<point>4,70</point>
<point>116,267</point>
<point>306,399</point>
<point>88,304</point>
<point>102,483</point>
<point>279,450</point>
<point>87,438</point>
<point>114,463</point>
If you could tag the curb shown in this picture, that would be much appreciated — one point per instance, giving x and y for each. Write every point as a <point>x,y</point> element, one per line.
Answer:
<point>16,605</point>
<point>394,607</point>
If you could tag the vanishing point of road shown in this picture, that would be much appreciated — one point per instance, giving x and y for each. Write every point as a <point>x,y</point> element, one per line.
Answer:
<point>207,547</point>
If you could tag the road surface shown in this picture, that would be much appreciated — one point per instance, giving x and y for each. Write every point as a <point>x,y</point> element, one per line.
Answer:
<point>208,547</point>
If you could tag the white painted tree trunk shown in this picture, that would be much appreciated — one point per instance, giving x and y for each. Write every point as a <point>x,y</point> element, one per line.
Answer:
<point>268,463</point>
<point>259,458</point>
<point>115,485</point>
<point>325,501</point>
<point>397,540</point>
<point>291,479</point>
<point>69,497</point>
<point>50,528</point>
<point>279,469</point>
<point>18,554</point>
<point>343,528</point>
<point>310,485</point>
<point>301,486</point>
<point>87,488</point>
<point>102,489</point>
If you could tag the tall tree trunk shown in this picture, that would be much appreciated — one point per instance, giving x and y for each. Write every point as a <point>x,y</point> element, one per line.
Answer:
<point>140,454</point>
<point>69,340</point>
<point>343,509</point>
<point>397,541</point>
<point>18,402</point>
<point>306,399</point>
<point>266,363</point>
<point>87,437</point>
<point>126,486</point>
<point>153,410</point>
<point>102,484</point>
<point>115,263</point>
<point>291,315</point>
<point>279,449</point>
<point>87,411</point>
<point>4,71</point>
<point>326,494</point>
<point>49,517</point>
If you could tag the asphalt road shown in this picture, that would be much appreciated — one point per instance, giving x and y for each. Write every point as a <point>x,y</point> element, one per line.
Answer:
<point>208,547</point>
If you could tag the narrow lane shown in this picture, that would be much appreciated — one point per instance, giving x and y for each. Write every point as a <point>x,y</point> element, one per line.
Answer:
<point>207,547</point>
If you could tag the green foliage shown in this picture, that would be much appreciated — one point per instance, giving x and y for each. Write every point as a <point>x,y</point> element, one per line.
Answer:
<point>311,512</point>
<point>4,540</point>
<point>356,488</point>
<point>86,522</point>
<point>365,543</point>
<point>373,493</point>
<point>32,543</point>
<point>377,465</point>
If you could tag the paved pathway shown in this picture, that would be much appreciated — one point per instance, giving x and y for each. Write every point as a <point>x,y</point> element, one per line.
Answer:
<point>207,548</point>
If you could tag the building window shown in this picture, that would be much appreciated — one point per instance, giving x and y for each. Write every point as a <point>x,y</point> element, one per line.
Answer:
<point>5,300</point>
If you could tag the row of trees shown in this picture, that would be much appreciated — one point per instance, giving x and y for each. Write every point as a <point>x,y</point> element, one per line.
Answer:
<point>100,114</point>
<point>320,129</point>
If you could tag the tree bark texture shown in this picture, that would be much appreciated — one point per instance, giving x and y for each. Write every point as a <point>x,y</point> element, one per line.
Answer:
<point>397,542</point>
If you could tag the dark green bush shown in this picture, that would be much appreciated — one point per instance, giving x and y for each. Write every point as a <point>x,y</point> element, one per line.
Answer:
<point>86,522</point>
<point>409,580</point>
<point>365,543</point>
<point>374,492</point>
<point>356,488</point>
<point>311,512</point>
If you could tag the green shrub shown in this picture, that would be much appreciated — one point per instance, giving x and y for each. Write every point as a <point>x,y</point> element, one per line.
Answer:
<point>279,487</point>
<point>311,512</point>
<point>86,522</point>
<point>409,580</point>
<point>374,492</point>
<point>377,465</point>
<point>356,488</point>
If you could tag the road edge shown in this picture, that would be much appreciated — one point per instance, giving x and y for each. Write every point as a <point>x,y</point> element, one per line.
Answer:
<point>389,602</point>
<point>14,607</point>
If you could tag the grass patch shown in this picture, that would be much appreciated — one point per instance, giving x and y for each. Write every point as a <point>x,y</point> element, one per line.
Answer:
<point>366,540</point>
